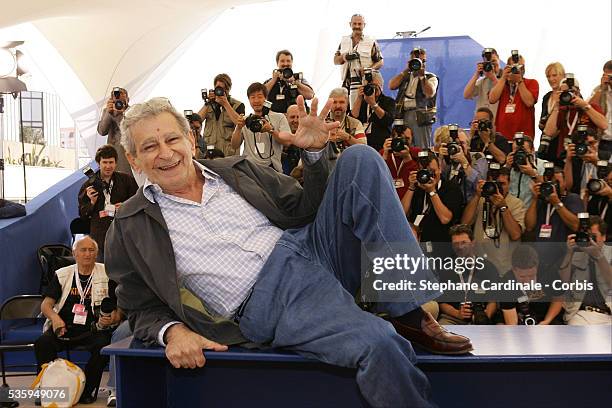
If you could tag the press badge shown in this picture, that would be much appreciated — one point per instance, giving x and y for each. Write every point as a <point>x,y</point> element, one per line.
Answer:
<point>280,97</point>
<point>418,220</point>
<point>454,173</point>
<point>80,314</point>
<point>489,232</point>
<point>110,210</point>
<point>546,231</point>
<point>510,108</point>
<point>398,183</point>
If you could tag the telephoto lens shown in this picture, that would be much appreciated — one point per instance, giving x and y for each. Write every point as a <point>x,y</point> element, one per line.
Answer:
<point>287,73</point>
<point>368,90</point>
<point>415,64</point>
<point>425,176</point>
<point>489,188</point>
<point>219,91</point>
<point>596,185</point>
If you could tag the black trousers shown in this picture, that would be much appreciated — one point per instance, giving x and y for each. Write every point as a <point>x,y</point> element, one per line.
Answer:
<point>48,345</point>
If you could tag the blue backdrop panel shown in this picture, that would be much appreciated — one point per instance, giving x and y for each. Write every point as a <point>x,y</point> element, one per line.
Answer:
<point>452,59</point>
<point>47,222</point>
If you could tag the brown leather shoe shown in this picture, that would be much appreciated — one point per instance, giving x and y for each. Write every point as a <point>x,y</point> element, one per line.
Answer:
<point>433,337</point>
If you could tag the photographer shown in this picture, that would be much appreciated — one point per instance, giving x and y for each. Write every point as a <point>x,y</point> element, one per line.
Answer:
<point>602,95</point>
<point>351,130</point>
<point>569,112</point>
<point>111,118</point>
<point>416,97</point>
<point>485,77</point>
<point>431,203</point>
<point>467,306</point>
<point>555,72</point>
<point>374,109</point>
<point>102,195</point>
<point>291,154</point>
<point>261,131</point>
<point>498,218</point>
<point>484,139</point>
<point>221,113</point>
<point>285,85</point>
<point>400,156</point>
<point>195,124</point>
<point>599,194</point>
<point>524,168</point>
<point>452,145</point>
<point>72,307</point>
<point>581,159</point>
<point>356,53</point>
<point>587,262</point>
<point>517,97</point>
<point>540,307</point>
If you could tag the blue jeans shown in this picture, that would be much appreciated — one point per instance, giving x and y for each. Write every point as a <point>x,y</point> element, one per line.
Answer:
<point>121,332</point>
<point>304,298</point>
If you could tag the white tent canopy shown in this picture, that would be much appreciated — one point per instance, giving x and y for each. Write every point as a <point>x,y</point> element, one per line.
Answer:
<point>81,49</point>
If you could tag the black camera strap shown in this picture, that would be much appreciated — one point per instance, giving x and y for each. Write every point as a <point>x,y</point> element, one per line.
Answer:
<point>490,219</point>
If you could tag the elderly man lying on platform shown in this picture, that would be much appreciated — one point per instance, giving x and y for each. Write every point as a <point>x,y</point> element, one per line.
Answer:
<point>221,252</point>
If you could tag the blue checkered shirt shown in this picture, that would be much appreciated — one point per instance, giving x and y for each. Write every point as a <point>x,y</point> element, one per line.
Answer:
<point>220,244</point>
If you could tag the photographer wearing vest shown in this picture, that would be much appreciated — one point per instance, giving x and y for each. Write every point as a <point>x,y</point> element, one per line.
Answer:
<point>524,168</point>
<point>498,217</point>
<point>599,195</point>
<point>533,307</point>
<point>416,97</point>
<point>102,195</point>
<point>586,261</point>
<point>261,130</point>
<point>111,118</point>
<point>467,306</point>
<point>517,96</point>
<point>350,131</point>
<point>485,77</point>
<point>602,95</point>
<point>72,307</point>
<point>432,204</point>
<point>356,53</point>
<point>374,109</point>
<point>221,114</point>
<point>285,85</point>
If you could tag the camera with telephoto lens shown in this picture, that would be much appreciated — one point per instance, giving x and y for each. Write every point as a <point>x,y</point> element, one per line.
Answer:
<point>516,68</point>
<point>106,309</point>
<point>416,63</point>
<point>492,186</point>
<point>424,175</point>
<point>219,91</point>
<point>527,318</point>
<point>521,157</point>
<point>94,179</point>
<point>579,140</point>
<point>596,185</point>
<point>543,147</point>
<point>398,142</point>
<point>583,236</point>
<point>254,123</point>
<point>119,104</point>
<point>565,98</point>
<point>352,56</point>
<point>478,314</point>
<point>487,65</point>
<point>453,147</point>
<point>484,125</point>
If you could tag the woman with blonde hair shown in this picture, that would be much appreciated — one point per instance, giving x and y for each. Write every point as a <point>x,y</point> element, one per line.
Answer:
<point>554,74</point>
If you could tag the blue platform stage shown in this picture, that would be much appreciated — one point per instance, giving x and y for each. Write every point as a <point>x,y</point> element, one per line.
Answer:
<point>511,366</point>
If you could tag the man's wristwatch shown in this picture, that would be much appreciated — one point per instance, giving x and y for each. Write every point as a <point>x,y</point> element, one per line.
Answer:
<point>433,193</point>
<point>559,205</point>
<point>586,108</point>
<point>503,208</point>
<point>375,106</point>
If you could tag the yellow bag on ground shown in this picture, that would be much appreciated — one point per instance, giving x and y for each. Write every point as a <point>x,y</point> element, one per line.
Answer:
<point>61,384</point>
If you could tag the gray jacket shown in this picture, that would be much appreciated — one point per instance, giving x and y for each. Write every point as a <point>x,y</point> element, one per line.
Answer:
<point>140,258</point>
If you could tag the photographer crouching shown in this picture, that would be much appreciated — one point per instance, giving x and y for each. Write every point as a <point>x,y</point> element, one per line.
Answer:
<point>221,113</point>
<point>72,306</point>
<point>261,130</point>
<point>374,109</point>
<point>285,85</point>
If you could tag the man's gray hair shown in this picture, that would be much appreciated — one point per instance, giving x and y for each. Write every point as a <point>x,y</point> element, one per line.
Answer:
<point>337,92</point>
<point>377,76</point>
<point>76,243</point>
<point>145,110</point>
